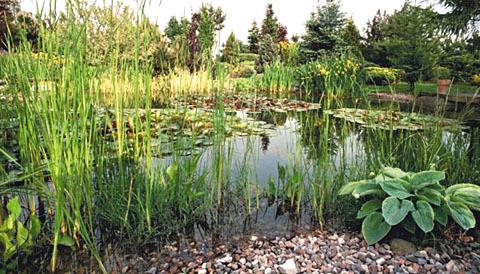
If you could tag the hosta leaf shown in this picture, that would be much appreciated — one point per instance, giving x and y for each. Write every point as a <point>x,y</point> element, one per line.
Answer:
<point>350,187</point>
<point>468,196</point>
<point>394,172</point>
<point>374,228</point>
<point>430,195</point>
<point>14,208</point>
<point>394,210</point>
<point>396,188</point>
<point>409,224</point>
<point>369,207</point>
<point>366,189</point>
<point>462,215</point>
<point>425,178</point>
<point>424,216</point>
<point>441,215</point>
<point>454,188</point>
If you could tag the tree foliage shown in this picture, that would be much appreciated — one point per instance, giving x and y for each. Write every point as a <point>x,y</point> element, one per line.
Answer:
<point>253,38</point>
<point>350,36</point>
<point>374,48</point>
<point>412,41</point>
<point>461,15</point>
<point>176,29</point>
<point>267,52</point>
<point>231,51</point>
<point>8,10</point>
<point>322,31</point>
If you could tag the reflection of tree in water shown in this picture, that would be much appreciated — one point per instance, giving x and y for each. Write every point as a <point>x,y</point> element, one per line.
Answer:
<point>321,134</point>
<point>265,139</point>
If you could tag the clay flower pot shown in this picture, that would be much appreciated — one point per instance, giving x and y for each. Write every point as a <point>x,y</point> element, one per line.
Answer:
<point>443,85</point>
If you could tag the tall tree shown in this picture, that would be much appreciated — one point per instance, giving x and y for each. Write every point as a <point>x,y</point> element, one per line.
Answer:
<point>176,28</point>
<point>322,31</point>
<point>373,48</point>
<point>461,15</point>
<point>351,36</point>
<point>412,41</point>
<point>253,38</point>
<point>231,51</point>
<point>270,23</point>
<point>267,52</point>
<point>211,20</point>
<point>8,9</point>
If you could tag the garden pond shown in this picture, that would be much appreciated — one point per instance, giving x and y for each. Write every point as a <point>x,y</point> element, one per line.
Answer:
<point>282,160</point>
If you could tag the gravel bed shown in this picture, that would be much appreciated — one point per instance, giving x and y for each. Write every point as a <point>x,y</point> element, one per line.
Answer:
<point>312,252</point>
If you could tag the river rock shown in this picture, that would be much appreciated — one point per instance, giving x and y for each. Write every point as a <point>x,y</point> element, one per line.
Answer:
<point>289,267</point>
<point>401,247</point>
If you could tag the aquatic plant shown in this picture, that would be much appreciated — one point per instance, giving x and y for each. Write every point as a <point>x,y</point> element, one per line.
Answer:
<point>395,120</point>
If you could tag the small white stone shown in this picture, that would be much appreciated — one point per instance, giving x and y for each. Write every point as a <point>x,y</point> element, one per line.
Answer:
<point>380,261</point>
<point>225,260</point>
<point>268,270</point>
<point>289,267</point>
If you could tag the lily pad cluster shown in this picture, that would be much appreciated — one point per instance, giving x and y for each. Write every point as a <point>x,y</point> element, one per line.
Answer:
<point>244,103</point>
<point>396,120</point>
<point>187,128</point>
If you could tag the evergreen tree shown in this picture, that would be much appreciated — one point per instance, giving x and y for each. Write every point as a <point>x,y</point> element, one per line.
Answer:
<point>231,51</point>
<point>176,28</point>
<point>270,23</point>
<point>267,52</point>
<point>253,38</point>
<point>412,42</point>
<point>351,36</point>
<point>373,49</point>
<point>322,31</point>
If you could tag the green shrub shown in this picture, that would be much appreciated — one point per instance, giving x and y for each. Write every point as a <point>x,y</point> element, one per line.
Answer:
<point>442,73</point>
<point>248,57</point>
<point>244,71</point>
<point>382,76</point>
<point>412,200</point>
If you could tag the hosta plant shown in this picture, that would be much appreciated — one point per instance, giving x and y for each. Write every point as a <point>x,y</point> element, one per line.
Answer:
<point>412,200</point>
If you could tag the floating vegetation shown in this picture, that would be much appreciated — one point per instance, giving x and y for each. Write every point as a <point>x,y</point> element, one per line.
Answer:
<point>244,103</point>
<point>189,129</point>
<point>395,120</point>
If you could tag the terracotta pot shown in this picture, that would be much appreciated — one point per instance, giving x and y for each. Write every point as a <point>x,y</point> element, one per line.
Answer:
<point>443,85</point>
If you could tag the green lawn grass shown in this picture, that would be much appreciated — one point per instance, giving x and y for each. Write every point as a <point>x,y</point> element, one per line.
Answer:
<point>423,87</point>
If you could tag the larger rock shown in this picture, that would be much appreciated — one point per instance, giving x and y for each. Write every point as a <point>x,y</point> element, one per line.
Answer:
<point>401,247</point>
<point>288,267</point>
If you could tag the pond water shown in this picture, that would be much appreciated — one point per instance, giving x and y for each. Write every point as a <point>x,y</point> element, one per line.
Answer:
<point>323,150</point>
